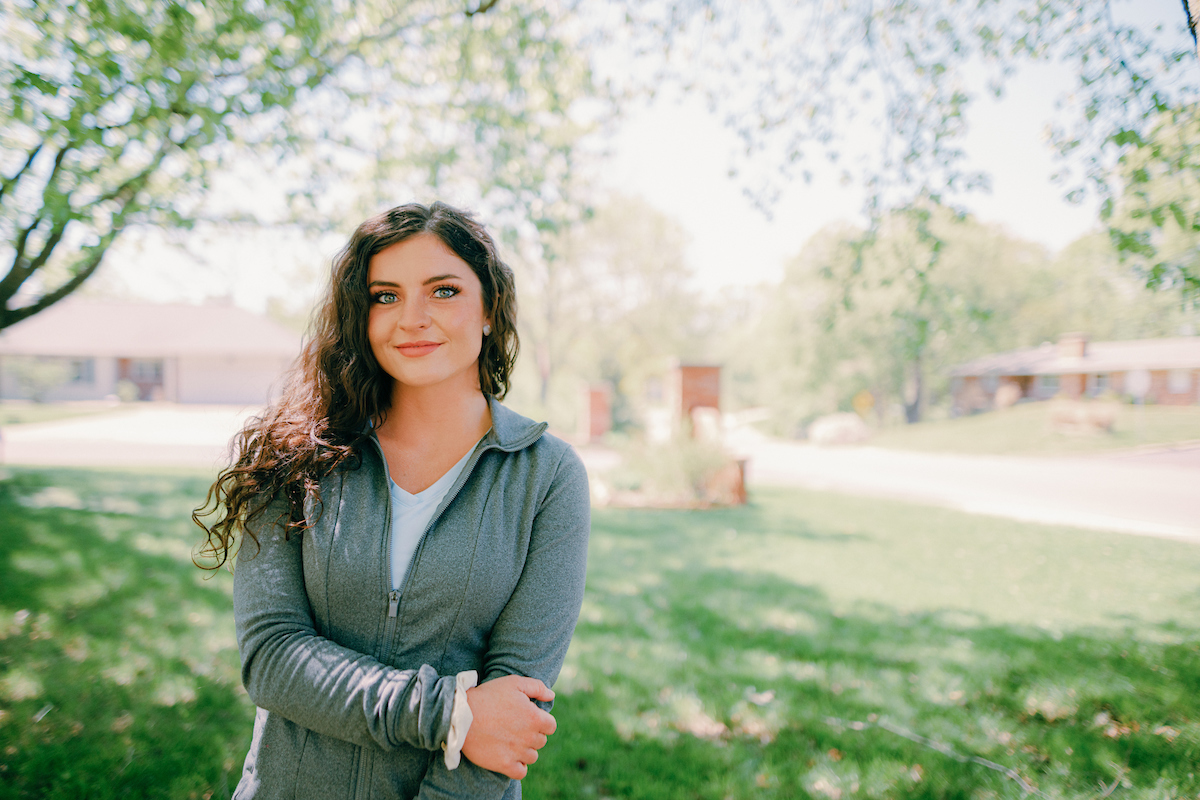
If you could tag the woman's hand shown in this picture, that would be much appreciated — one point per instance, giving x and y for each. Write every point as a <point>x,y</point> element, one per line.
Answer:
<point>508,728</point>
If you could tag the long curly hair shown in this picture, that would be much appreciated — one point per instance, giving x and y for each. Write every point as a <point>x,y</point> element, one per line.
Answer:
<point>336,387</point>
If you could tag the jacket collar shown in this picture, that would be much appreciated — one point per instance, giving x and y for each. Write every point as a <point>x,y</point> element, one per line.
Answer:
<point>511,431</point>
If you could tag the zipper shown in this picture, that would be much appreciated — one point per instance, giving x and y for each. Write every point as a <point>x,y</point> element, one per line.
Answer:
<point>395,596</point>
<point>446,501</point>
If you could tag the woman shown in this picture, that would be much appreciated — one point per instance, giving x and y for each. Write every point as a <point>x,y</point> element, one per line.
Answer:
<point>402,533</point>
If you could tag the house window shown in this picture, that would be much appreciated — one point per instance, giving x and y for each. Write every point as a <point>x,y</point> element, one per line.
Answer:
<point>1098,384</point>
<point>146,370</point>
<point>1047,385</point>
<point>81,370</point>
<point>1179,381</point>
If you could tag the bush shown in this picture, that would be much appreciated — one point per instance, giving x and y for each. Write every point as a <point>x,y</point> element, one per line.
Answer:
<point>679,472</point>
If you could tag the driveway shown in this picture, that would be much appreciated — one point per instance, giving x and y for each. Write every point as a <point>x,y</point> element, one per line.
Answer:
<point>144,435</point>
<point>1154,493</point>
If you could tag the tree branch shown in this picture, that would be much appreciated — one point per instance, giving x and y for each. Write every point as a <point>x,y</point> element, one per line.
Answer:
<point>1191,20</point>
<point>9,182</point>
<point>23,268</point>
<point>56,233</point>
<point>483,7</point>
<point>85,271</point>
<point>19,271</point>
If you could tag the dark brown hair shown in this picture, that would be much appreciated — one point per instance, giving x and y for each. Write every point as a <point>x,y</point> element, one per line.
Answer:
<point>336,387</point>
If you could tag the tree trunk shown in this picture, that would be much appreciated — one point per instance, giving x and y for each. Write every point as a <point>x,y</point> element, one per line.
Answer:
<point>913,408</point>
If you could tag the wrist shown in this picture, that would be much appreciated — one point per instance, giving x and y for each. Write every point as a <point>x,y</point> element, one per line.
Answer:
<point>460,718</point>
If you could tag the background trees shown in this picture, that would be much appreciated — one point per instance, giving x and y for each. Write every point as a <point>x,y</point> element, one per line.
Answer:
<point>116,114</point>
<point>883,90</point>
<point>609,300</point>
<point>927,291</point>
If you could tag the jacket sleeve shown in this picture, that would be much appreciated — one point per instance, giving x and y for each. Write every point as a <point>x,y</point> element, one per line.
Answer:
<point>533,631</point>
<point>288,669</point>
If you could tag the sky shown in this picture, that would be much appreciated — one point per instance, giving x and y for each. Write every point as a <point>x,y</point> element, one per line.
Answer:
<point>677,156</point>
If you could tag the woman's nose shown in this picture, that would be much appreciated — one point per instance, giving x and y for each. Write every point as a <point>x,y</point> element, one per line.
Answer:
<point>414,314</point>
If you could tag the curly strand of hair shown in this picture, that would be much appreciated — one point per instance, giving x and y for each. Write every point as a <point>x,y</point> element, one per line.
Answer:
<point>285,452</point>
<point>337,388</point>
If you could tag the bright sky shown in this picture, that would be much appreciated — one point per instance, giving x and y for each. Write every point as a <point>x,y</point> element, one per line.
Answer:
<point>677,156</point>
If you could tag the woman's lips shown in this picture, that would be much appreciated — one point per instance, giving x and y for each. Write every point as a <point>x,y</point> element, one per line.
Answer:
<point>417,349</point>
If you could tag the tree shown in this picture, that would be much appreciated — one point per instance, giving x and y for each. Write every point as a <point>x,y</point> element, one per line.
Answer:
<point>609,300</point>
<point>802,79</point>
<point>891,313</point>
<point>1155,221</point>
<point>117,113</point>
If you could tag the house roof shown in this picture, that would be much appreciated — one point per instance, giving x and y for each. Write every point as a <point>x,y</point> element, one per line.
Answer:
<point>1182,352</point>
<point>83,328</point>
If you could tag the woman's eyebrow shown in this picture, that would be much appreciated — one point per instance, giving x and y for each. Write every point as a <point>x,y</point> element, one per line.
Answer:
<point>434,279</point>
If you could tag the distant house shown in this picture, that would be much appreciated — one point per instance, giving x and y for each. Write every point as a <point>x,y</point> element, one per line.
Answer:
<point>83,350</point>
<point>1164,371</point>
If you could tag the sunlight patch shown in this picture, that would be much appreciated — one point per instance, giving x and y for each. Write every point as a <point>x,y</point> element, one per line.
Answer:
<point>53,497</point>
<point>687,715</point>
<point>1052,702</point>
<point>41,565</point>
<point>174,689</point>
<point>781,619</point>
<point>20,684</point>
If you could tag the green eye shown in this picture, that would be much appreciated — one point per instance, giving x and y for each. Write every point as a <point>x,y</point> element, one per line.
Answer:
<point>445,292</point>
<point>384,298</point>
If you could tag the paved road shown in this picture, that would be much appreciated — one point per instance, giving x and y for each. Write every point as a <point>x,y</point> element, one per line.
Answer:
<point>1151,494</point>
<point>149,435</point>
<point>1148,492</point>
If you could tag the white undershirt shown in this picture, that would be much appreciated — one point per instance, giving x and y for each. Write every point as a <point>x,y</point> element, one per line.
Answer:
<point>411,514</point>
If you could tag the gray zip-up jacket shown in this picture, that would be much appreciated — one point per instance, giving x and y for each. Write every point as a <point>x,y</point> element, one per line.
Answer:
<point>354,683</point>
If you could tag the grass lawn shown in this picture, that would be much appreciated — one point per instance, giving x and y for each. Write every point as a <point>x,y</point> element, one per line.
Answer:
<point>1026,429</point>
<point>807,645</point>
<point>18,413</point>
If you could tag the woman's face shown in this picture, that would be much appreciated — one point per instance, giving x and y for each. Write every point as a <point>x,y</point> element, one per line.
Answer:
<point>426,319</point>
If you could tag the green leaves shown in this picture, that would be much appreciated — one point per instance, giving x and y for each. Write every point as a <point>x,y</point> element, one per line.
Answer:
<point>129,105</point>
<point>1154,223</point>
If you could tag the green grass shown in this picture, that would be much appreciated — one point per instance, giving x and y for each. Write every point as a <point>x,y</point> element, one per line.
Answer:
<point>729,653</point>
<point>19,413</point>
<point>1026,429</point>
<point>118,666</point>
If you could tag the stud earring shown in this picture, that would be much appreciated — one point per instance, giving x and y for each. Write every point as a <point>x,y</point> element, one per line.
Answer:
<point>487,329</point>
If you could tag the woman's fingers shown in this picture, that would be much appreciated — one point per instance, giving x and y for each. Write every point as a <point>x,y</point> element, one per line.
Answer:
<point>532,687</point>
<point>508,728</point>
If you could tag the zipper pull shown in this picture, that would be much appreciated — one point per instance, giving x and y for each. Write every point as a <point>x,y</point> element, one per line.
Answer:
<point>393,602</point>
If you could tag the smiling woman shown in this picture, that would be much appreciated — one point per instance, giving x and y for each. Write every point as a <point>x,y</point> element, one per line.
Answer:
<point>401,535</point>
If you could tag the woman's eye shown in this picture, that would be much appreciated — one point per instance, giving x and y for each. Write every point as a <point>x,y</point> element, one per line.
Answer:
<point>384,298</point>
<point>445,292</point>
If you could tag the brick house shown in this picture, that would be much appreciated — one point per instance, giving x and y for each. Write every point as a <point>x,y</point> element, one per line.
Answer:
<point>1164,371</point>
<point>214,353</point>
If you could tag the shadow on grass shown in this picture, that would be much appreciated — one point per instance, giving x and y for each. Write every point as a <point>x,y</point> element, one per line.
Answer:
<point>705,665</point>
<point>706,682</point>
<point>118,667</point>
